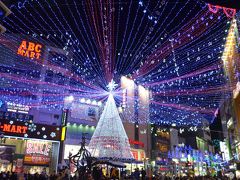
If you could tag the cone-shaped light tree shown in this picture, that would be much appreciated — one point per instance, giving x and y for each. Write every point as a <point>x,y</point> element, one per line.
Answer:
<point>110,141</point>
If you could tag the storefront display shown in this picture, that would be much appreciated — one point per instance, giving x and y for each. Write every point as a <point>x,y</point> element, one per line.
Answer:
<point>30,147</point>
<point>6,157</point>
<point>31,155</point>
<point>138,154</point>
<point>37,153</point>
<point>70,149</point>
<point>38,156</point>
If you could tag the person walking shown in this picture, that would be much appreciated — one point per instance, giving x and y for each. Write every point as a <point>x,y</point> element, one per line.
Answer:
<point>143,173</point>
<point>137,174</point>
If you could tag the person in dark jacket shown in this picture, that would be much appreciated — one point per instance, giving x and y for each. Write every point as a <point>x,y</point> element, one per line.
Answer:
<point>143,173</point>
<point>137,174</point>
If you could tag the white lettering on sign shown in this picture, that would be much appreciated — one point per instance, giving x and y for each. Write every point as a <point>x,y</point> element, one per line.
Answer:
<point>38,148</point>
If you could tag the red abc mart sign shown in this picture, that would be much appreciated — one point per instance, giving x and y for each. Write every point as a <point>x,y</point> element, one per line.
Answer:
<point>9,128</point>
<point>30,50</point>
<point>29,130</point>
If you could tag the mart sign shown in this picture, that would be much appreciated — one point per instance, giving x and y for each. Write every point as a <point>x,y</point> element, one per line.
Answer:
<point>13,128</point>
<point>30,49</point>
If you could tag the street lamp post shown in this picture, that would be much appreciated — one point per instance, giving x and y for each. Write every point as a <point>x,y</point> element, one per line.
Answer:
<point>64,120</point>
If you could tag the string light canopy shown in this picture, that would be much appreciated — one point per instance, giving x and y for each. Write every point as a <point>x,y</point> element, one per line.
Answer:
<point>172,48</point>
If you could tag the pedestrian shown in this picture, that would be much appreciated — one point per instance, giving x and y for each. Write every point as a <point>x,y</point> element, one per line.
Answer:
<point>95,173</point>
<point>143,173</point>
<point>137,174</point>
<point>114,173</point>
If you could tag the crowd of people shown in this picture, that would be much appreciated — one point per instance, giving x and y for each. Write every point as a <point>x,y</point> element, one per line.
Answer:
<point>98,174</point>
<point>28,176</point>
<point>8,175</point>
<point>64,174</point>
<point>115,173</point>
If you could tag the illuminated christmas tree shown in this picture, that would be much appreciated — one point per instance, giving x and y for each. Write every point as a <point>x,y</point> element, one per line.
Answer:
<point>110,141</point>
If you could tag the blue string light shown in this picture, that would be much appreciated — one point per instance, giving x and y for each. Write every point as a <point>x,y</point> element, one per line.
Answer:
<point>170,45</point>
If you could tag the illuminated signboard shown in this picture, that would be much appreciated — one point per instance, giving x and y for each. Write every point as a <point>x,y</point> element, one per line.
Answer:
<point>138,154</point>
<point>132,142</point>
<point>65,117</point>
<point>35,147</point>
<point>30,49</point>
<point>16,116</point>
<point>163,148</point>
<point>37,153</point>
<point>63,134</point>
<point>225,151</point>
<point>86,112</point>
<point>30,130</point>
<point>13,128</point>
<point>69,148</point>
<point>64,123</point>
<point>13,107</point>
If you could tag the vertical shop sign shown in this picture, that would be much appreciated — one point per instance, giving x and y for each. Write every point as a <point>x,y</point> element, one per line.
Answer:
<point>64,123</point>
<point>64,117</point>
<point>135,154</point>
<point>225,150</point>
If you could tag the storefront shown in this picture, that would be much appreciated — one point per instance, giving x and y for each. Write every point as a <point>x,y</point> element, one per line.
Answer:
<point>140,160</point>
<point>186,160</point>
<point>74,133</point>
<point>71,149</point>
<point>28,147</point>
<point>71,145</point>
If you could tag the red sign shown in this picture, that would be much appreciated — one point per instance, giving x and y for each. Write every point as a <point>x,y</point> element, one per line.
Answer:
<point>138,154</point>
<point>13,128</point>
<point>135,154</point>
<point>230,12</point>
<point>36,160</point>
<point>136,142</point>
<point>164,169</point>
<point>30,50</point>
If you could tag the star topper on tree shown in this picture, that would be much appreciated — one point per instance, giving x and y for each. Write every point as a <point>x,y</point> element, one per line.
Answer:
<point>112,85</point>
